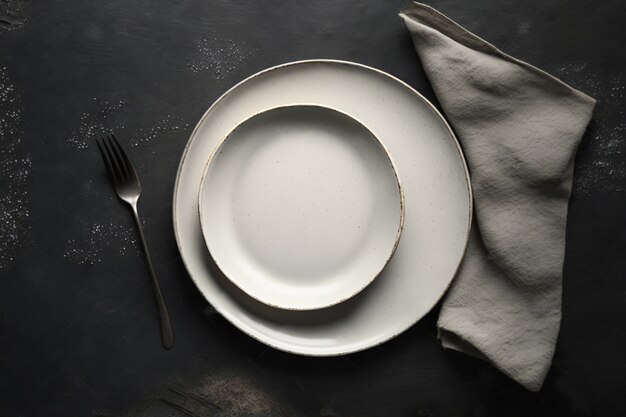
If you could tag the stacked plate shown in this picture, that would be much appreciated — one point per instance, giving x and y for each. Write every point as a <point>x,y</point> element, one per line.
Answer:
<point>323,207</point>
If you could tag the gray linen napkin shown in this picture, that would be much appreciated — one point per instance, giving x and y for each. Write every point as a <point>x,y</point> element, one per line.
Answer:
<point>519,128</point>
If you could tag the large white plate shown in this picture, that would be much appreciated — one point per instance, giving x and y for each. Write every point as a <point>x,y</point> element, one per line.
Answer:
<point>437,206</point>
<point>301,207</point>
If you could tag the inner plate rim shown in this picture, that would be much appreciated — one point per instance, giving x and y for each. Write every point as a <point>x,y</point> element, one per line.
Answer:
<point>412,91</point>
<point>398,182</point>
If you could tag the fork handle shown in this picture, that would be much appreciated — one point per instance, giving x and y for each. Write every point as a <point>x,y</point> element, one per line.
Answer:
<point>166,328</point>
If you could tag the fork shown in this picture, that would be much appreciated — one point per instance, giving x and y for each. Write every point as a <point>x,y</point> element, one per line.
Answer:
<point>128,189</point>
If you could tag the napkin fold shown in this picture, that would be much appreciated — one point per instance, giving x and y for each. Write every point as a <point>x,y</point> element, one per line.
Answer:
<point>519,129</point>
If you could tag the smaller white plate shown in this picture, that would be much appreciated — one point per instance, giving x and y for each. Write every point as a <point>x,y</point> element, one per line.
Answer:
<point>301,207</point>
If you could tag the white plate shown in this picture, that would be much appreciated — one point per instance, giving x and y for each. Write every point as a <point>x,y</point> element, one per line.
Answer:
<point>437,199</point>
<point>301,207</point>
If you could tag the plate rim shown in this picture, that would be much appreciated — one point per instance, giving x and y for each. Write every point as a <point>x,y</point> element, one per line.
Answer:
<point>420,97</point>
<point>394,171</point>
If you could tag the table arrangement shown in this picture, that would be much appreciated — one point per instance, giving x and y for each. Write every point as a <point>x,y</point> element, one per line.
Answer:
<point>323,207</point>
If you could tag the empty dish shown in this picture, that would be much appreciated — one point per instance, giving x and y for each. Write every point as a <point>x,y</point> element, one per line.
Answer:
<point>300,206</point>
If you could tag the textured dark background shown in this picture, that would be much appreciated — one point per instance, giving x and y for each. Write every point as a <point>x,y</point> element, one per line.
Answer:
<point>78,331</point>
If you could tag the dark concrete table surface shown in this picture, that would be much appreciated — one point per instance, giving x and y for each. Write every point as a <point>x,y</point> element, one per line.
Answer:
<point>78,326</point>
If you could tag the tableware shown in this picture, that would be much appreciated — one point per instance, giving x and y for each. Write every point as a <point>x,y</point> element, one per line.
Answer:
<point>437,199</point>
<point>128,188</point>
<point>300,206</point>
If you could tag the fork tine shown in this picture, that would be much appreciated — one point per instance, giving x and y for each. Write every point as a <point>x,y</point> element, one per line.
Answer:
<point>129,167</point>
<point>115,166</point>
<point>106,161</point>
<point>118,158</point>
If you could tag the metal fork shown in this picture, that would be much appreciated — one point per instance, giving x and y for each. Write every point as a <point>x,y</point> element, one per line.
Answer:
<point>128,189</point>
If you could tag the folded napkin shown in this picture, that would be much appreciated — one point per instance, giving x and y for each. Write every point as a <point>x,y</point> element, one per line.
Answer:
<point>519,128</point>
